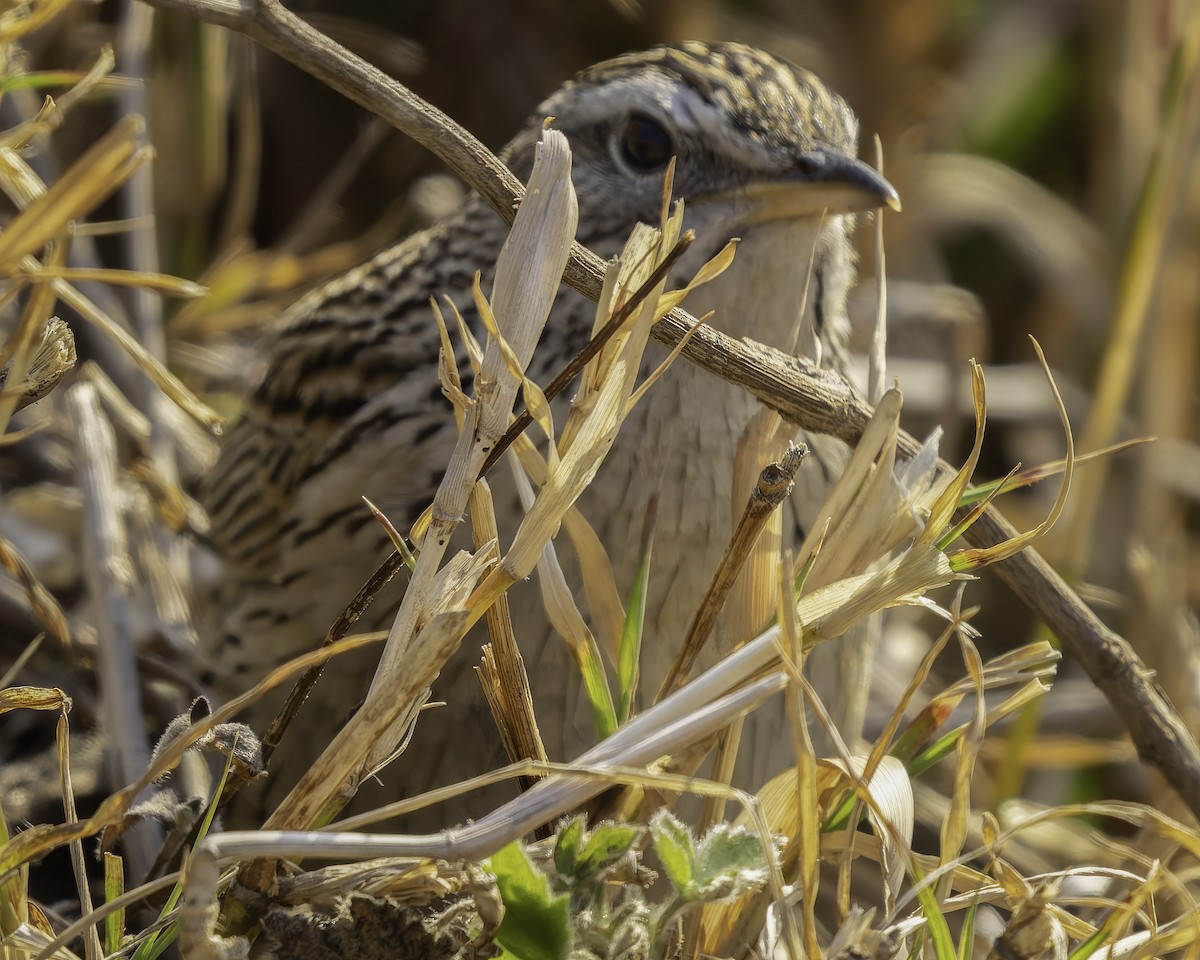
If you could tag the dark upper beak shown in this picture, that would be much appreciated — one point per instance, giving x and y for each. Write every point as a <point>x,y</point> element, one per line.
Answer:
<point>850,184</point>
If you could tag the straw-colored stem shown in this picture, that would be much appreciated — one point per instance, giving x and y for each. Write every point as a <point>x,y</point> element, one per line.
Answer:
<point>503,675</point>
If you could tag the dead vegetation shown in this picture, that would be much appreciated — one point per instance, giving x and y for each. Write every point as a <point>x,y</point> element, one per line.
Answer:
<point>99,536</point>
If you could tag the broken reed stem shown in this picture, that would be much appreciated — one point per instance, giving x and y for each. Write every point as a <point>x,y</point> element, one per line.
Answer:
<point>774,484</point>
<point>818,402</point>
<point>503,675</point>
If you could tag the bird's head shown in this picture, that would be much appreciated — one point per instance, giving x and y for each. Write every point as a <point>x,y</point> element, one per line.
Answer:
<point>764,151</point>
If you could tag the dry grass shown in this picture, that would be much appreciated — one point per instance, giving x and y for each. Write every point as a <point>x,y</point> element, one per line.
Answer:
<point>990,812</point>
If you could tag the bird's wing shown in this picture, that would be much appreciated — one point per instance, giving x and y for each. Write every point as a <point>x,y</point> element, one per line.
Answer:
<point>351,359</point>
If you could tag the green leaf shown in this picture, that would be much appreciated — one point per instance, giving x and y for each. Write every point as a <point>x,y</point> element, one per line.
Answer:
<point>607,844</point>
<point>730,861</point>
<point>936,927</point>
<point>595,686</point>
<point>630,652</point>
<point>966,938</point>
<point>114,886</point>
<point>676,849</point>
<point>536,923</point>
<point>567,845</point>
<point>1093,943</point>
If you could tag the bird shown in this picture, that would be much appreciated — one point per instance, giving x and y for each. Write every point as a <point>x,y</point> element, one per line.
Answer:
<point>350,403</point>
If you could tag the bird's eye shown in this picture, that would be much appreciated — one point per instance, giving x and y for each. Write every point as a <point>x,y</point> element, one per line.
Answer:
<point>645,144</point>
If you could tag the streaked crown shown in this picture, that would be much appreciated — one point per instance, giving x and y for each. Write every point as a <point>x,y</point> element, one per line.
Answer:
<point>754,95</point>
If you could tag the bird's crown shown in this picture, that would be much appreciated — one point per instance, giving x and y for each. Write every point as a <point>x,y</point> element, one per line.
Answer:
<point>749,92</point>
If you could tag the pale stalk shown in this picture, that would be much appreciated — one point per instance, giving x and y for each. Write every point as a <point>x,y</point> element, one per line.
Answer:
<point>527,278</point>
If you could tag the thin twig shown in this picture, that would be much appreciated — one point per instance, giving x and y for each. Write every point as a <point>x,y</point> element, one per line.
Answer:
<point>774,485</point>
<point>303,686</point>
<point>820,403</point>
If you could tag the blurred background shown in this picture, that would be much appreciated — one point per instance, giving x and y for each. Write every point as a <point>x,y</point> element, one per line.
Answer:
<point>1045,151</point>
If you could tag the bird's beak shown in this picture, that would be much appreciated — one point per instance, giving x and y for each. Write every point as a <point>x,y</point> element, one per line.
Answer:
<point>819,180</point>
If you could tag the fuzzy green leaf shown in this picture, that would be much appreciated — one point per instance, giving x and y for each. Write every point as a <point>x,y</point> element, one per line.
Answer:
<point>676,849</point>
<point>536,923</point>
<point>607,844</point>
<point>729,862</point>
<point>567,846</point>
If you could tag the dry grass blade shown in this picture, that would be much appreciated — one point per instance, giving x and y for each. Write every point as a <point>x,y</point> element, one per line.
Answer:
<point>564,616</point>
<point>619,319</point>
<point>33,698</point>
<point>954,826</point>
<point>84,186</point>
<point>19,352</point>
<point>41,601</point>
<point>836,512</point>
<point>964,559</point>
<point>62,736</point>
<point>158,282</point>
<point>599,584</point>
